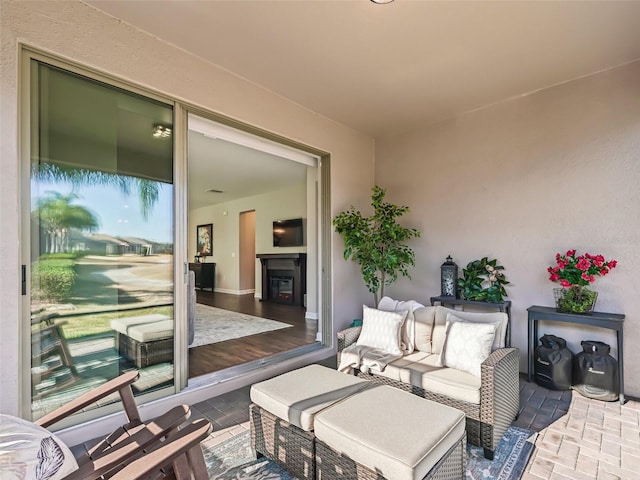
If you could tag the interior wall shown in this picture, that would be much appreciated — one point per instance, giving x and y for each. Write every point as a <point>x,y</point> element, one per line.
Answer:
<point>82,34</point>
<point>278,205</point>
<point>522,180</point>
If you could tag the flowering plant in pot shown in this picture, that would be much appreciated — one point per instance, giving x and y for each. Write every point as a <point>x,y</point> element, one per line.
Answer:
<point>575,273</point>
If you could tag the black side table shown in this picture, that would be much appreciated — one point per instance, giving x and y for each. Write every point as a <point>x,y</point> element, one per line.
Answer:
<point>612,321</point>
<point>504,307</point>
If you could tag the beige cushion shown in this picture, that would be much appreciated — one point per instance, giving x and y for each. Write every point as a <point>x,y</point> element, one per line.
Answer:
<point>297,396</point>
<point>407,332</point>
<point>28,451</point>
<point>381,330</point>
<point>423,323</point>
<point>423,370</point>
<point>467,344</point>
<point>478,317</point>
<point>144,328</point>
<point>395,433</point>
<point>449,381</point>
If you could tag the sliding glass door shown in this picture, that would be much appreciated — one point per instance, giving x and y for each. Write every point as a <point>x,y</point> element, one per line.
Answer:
<point>101,270</point>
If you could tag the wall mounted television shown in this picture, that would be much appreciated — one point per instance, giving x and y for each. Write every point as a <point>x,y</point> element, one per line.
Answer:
<point>288,233</point>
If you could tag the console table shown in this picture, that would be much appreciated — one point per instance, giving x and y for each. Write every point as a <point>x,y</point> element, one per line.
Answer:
<point>205,275</point>
<point>501,307</point>
<point>612,321</point>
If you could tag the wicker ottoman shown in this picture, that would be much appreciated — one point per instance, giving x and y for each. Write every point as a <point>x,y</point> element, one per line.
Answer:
<point>283,412</point>
<point>385,433</point>
<point>144,340</point>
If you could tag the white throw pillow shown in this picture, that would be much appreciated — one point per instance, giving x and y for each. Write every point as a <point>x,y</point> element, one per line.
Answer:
<point>408,333</point>
<point>467,344</point>
<point>381,329</point>
<point>30,452</point>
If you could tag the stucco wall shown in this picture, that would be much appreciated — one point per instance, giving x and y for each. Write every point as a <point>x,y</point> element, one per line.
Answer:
<point>522,180</point>
<point>76,31</point>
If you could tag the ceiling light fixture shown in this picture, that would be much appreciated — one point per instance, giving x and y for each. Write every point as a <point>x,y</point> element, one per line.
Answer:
<point>381,2</point>
<point>214,190</point>
<point>161,131</point>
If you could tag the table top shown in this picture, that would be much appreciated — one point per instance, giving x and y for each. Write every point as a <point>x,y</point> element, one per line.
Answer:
<point>552,314</point>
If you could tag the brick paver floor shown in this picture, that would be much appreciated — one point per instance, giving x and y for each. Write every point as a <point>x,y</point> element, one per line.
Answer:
<point>593,440</point>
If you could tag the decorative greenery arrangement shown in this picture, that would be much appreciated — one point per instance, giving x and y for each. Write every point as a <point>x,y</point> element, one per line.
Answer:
<point>376,243</point>
<point>575,273</point>
<point>475,276</point>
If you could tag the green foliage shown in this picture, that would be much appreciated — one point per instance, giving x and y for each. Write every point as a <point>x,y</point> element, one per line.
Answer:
<point>52,280</point>
<point>148,190</point>
<point>376,243</point>
<point>475,276</point>
<point>575,299</point>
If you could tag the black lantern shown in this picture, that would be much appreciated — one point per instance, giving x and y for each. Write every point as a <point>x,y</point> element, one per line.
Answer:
<point>449,278</point>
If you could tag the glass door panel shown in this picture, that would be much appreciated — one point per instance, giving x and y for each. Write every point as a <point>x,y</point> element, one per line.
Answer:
<point>102,236</point>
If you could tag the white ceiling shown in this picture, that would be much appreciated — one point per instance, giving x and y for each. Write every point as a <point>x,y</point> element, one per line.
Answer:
<point>386,68</point>
<point>379,69</point>
<point>237,170</point>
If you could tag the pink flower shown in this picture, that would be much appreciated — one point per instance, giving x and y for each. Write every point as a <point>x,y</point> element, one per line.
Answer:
<point>554,277</point>
<point>598,262</point>
<point>612,264</point>
<point>588,278</point>
<point>570,253</point>
<point>583,265</point>
<point>604,271</point>
<point>565,283</point>
<point>560,264</point>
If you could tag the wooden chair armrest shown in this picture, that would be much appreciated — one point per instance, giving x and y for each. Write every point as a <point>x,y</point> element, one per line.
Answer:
<point>47,317</point>
<point>184,442</point>
<point>124,446</point>
<point>121,384</point>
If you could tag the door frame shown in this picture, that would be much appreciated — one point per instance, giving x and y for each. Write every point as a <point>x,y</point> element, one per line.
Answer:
<point>26,144</point>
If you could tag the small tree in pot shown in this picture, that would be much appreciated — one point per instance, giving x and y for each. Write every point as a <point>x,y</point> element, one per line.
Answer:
<point>376,243</point>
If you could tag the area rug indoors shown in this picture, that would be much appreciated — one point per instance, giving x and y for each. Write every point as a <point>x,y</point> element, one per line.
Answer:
<point>232,459</point>
<point>215,325</point>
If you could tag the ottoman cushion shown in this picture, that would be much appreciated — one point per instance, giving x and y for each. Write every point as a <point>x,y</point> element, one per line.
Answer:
<point>398,434</point>
<point>297,396</point>
<point>144,328</point>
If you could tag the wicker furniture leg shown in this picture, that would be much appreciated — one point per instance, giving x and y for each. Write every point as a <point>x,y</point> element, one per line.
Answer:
<point>288,445</point>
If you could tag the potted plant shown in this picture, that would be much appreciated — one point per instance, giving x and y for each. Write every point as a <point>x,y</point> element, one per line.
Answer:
<point>575,273</point>
<point>376,243</point>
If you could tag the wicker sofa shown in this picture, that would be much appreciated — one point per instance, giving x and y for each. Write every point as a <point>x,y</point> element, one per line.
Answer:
<point>490,402</point>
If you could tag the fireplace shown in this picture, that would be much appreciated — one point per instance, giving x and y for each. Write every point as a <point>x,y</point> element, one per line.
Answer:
<point>281,286</point>
<point>284,277</point>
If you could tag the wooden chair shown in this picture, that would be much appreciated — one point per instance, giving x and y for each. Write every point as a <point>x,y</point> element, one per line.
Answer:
<point>50,353</point>
<point>135,438</point>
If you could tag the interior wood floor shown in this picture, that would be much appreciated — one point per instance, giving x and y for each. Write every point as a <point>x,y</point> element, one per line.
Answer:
<point>218,356</point>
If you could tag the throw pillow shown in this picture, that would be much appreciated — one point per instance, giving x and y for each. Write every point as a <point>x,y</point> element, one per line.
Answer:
<point>407,334</point>
<point>30,452</point>
<point>467,344</point>
<point>381,330</point>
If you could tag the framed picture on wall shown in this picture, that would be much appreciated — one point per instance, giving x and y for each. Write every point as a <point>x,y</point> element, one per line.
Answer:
<point>204,236</point>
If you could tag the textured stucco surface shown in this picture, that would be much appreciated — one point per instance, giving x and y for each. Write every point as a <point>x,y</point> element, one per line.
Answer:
<point>73,30</point>
<point>522,180</point>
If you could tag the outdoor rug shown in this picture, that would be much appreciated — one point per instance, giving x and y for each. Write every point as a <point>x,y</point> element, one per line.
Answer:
<point>232,459</point>
<point>215,325</point>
